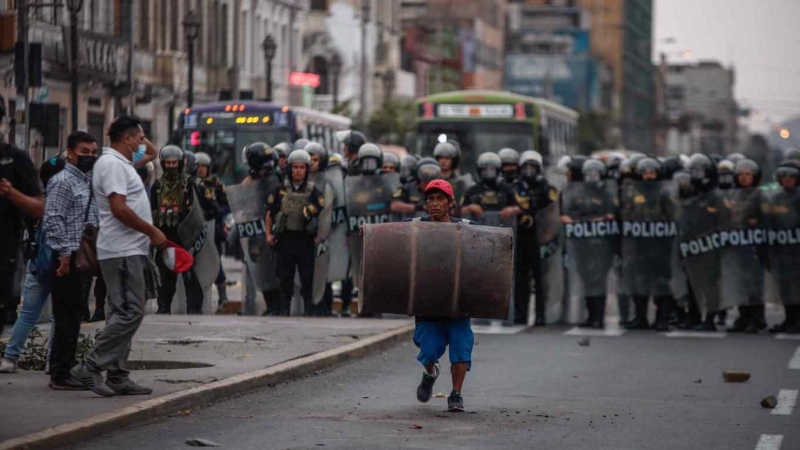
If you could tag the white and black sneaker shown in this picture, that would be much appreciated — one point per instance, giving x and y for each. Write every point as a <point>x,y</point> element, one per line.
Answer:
<point>425,388</point>
<point>455,403</point>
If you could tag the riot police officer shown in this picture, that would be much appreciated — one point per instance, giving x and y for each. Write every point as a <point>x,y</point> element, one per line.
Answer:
<point>532,193</point>
<point>216,208</point>
<point>408,200</point>
<point>190,164</point>
<point>510,159</point>
<point>390,163</point>
<point>783,261</point>
<point>292,226</point>
<point>490,194</point>
<point>725,172</point>
<point>171,201</point>
<point>300,144</point>
<point>448,154</point>
<point>350,146</point>
<point>282,150</point>
<point>408,165</point>
<point>319,157</point>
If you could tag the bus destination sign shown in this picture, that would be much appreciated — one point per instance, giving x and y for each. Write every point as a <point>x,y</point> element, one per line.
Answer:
<point>475,111</point>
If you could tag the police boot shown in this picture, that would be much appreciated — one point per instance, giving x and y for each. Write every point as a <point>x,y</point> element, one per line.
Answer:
<point>222,291</point>
<point>273,300</point>
<point>662,314</point>
<point>708,324</point>
<point>793,319</point>
<point>692,318</point>
<point>599,312</point>
<point>743,321</point>
<point>640,321</point>
<point>589,322</point>
<point>757,321</point>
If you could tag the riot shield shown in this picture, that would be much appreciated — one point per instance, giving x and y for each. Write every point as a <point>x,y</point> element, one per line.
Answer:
<point>197,236</point>
<point>492,218</point>
<point>369,198</point>
<point>781,211</point>
<point>590,232</point>
<point>551,268</point>
<point>700,249</point>
<point>339,257</point>
<point>742,256</point>
<point>647,213</point>
<point>322,255</point>
<point>249,208</point>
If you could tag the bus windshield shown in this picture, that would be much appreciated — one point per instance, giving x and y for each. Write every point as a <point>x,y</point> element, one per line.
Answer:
<point>225,148</point>
<point>475,138</point>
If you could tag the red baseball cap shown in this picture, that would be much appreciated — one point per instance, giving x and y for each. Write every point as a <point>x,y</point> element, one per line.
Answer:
<point>176,258</point>
<point>440,185</point>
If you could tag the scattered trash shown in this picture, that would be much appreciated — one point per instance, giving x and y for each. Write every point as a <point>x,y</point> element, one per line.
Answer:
<point>185,412</point>
<point>584,342</point>
<point>197,442</point>
<point>440,395</point>
<point>698,381</point>
<point>732,376</point>
<point>416,426</point>
<point>769,402</point>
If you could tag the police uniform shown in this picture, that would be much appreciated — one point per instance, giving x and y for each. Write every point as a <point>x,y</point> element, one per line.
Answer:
<point>211,194</point>
<point>410,193</point>
<point>171,202</point>
<point>531,198</point>
<point>294,212</point>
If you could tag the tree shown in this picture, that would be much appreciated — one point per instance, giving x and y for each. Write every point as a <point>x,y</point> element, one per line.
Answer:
<point>390,123</point>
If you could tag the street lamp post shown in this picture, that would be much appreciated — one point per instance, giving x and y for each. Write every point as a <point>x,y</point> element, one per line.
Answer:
<point>191,28</point>
<point>389,81</point>
<point>75,7</point>
<point>269,48</point>
<point>336,69</point>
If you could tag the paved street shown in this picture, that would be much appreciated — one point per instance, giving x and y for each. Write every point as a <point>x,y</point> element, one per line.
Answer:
<point>534,389</point>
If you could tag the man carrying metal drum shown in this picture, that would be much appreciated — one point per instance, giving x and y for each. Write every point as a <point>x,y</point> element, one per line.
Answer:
<point>434,334</point>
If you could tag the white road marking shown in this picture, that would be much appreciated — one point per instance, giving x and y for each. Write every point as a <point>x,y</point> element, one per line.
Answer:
<point>695,334</point>
<point>794,363</point>
<point>607,332</point>
<point>787,337</point>
<point>497,328</point>
<point>786,400</point>
<point>769,442</point>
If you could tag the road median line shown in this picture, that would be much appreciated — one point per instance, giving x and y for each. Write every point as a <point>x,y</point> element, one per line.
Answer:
<point>205,395</point>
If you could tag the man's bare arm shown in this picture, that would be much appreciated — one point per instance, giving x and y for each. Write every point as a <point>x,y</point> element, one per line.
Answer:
<point>124,214</point>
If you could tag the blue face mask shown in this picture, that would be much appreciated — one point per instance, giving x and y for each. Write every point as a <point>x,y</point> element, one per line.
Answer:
<point>139,154</point>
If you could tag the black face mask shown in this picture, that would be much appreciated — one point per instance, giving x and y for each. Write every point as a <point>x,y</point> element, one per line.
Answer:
<point>85,163</point>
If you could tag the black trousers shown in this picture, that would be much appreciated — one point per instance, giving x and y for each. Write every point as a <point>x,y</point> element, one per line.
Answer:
<point>221,278</point>
<point>6,297</point>
<point>166,292</point>
<point>296,252</point>
<point>69,302</point>
<point>527,267</point>
<point>347,295</point>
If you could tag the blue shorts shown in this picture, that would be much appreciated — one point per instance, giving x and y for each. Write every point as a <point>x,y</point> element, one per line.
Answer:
<point>432,337</point>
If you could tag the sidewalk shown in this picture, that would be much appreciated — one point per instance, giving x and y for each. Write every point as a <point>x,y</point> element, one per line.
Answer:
<point>223,347</point>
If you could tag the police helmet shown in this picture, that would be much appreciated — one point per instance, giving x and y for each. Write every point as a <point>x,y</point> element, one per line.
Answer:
<point>735,157</point>
<point>489,166</point>
<point>646,165</point>
<point>203,159</point>
<point>593,170</point>
<point>427,170</point>
<point>614,163</point>
<point>530,163</point>
<point>369,158</point>
<point>260,156</point>
<point>508,156</point>
<point>748,166</point>
<point>407,164</point>
<point>189,163</point>
<point>684,181</point>
<point>703,171</point>
<point>171,153</point>
<point>725,174</point>
<point>314,148</point>
<point>300,144</point>
<point>391,159</point>
<point>299,156</point>
<point>449,149</point>
<point>716,158</point>
<point>283,149</point>
<point>628,168</point>
<point>792,153</point>
<point>670,166</point>
<point>353,141</point>
<point>789,168</point>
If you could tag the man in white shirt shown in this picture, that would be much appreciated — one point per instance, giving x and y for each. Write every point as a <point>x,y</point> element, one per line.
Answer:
<point>126,233</point>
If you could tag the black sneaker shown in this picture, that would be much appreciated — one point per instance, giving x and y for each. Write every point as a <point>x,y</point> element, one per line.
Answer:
<point>68,384</point>
<point>455,403</point>
<point>425,388</point>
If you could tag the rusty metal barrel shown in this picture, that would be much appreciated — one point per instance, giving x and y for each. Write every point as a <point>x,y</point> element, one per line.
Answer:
<point>437,270</point>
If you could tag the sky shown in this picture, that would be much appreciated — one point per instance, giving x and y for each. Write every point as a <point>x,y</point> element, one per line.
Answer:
<point>759,38</point>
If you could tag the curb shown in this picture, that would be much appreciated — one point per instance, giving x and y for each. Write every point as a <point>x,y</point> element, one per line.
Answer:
<point>205,395</point>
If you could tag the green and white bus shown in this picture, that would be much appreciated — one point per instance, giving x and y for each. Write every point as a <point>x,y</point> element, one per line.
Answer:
<point>486,121</point>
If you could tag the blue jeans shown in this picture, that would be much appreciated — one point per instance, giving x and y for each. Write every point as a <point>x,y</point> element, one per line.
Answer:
<point>34,297</point>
